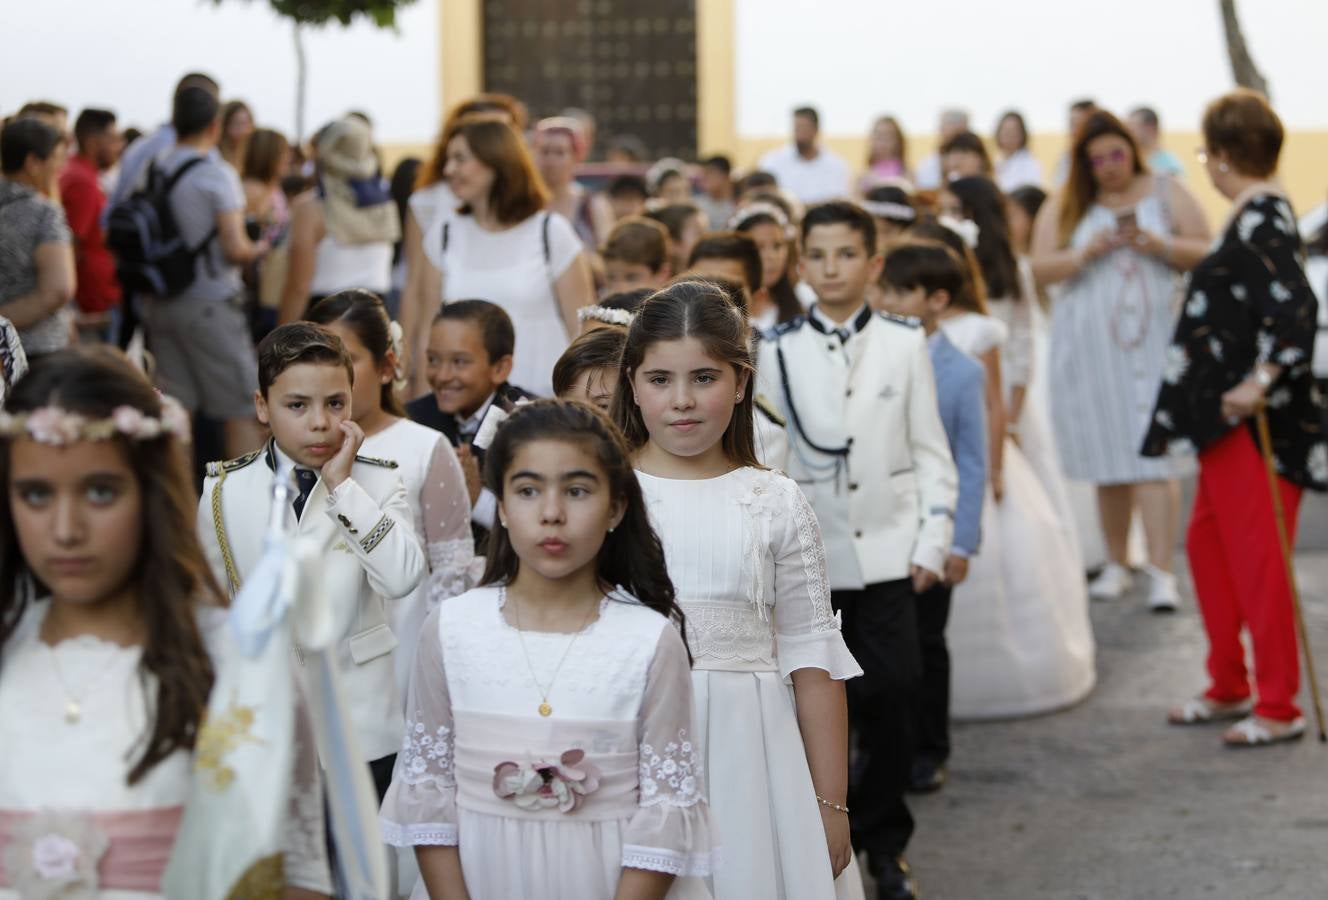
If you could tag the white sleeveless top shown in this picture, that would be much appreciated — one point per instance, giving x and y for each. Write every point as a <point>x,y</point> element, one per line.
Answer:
<point>340,267</point>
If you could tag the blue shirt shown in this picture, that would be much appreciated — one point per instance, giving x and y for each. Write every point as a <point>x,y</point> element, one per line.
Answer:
<point>961,395</point>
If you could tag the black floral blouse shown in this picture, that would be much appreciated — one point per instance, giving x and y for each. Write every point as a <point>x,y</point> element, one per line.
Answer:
<point>1248,302</point>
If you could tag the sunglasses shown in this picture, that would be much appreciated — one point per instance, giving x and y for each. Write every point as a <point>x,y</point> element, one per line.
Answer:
<point>1098,160</point>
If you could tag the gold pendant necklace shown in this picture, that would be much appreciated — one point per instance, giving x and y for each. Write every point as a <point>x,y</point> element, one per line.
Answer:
<point>73,705</point>
<point>544,709</point>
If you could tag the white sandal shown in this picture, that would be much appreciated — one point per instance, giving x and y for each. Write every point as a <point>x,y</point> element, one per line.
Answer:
<point>1250,732</point>
<point>1202,711</point>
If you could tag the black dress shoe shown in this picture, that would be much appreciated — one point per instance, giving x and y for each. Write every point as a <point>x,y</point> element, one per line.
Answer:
<point>927,777</point>
<point>894,881</point>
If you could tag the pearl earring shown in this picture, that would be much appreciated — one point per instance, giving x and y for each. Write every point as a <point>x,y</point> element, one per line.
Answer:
<point>1223,167</point>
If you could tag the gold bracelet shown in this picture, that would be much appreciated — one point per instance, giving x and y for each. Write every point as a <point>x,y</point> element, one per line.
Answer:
<point>828,805</point>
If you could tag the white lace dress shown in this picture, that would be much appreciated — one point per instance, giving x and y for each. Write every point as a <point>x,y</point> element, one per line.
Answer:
<point>66,809</point>
<point>1020,638</point>
<point>439,501</point>
<point>474,734</point>
<point>746,558</point>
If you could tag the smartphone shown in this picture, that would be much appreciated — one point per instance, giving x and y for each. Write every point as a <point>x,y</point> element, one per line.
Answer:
<point>1127,221</point>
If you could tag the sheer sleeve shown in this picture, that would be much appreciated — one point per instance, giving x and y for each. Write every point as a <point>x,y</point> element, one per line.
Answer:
<point>1017,360</point>
<point>806,626</point>
<point>445,505</point>
<point>420,806</point>
<point>307,865</point>
<point>671,831</point>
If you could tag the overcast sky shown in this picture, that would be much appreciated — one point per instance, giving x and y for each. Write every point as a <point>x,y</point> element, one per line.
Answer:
<point>852,58</point>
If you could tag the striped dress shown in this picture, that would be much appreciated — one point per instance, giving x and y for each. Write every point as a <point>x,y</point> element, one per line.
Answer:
<point>1110,327</point>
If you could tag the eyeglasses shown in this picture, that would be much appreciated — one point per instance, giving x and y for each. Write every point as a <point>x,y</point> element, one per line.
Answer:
<point>1101,159</point>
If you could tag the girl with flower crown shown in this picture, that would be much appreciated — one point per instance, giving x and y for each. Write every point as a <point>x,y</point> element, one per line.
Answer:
<point>746,554</point>
<point>549,748</point>
<point>112,637</point>
<point>435,484</point>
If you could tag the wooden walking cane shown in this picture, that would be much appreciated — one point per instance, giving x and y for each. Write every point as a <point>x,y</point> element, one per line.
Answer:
<point>1266,446</point>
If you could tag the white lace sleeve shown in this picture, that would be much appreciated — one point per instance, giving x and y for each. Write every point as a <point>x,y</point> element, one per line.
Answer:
<point>445,505</point>
<point>806,625</point>
<point>671,831</point>
<point>420,806</point>
<point>1017,355</point>
<point>307,865</point>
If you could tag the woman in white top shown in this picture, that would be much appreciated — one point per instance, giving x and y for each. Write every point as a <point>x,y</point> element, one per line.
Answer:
<point>431,199</point>
<point>503,246</point>
<point>435,485</point>
<point>1017,166</point>
<point>343,230</point>
<point>746,558</point>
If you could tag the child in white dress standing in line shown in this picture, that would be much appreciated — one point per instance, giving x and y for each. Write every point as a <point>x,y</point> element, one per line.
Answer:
<point>745,553</point>
<point>549,749</point>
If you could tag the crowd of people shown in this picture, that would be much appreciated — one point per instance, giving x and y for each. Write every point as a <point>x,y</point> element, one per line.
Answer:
<point>662,523</point>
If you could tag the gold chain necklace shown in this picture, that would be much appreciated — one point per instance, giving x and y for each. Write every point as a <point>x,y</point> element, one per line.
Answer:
<point>73,703</point>
<point>545,709</point>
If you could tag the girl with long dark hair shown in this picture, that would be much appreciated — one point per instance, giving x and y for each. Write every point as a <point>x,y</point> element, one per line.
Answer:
<point>549,746</point>
<point>768,225</point>
<point>429,468</point>
<point>746,555</point>
<point>112,636</point>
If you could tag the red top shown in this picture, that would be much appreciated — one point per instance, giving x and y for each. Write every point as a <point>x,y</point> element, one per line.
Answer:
<point>97,289</point>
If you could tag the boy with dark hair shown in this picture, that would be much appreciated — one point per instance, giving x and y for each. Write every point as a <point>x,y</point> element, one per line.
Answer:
<point>467,364</point>
<point>918,281</point>
<point>352,507</point>
<point>871,455</point>
<point>628,195</point>
<point>730,255</point>
<point>636,255</point>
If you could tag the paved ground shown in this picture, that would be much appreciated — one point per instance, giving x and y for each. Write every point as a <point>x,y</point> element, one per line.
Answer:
<point>1107,802</point>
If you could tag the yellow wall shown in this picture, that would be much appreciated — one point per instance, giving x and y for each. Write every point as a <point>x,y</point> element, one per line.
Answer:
<point>1304,168</point>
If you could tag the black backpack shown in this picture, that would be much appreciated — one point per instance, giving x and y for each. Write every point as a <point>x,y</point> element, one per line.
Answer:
<point>151,255</point>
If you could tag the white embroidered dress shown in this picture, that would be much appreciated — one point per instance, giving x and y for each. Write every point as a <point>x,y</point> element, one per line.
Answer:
<point>1019,634</point>
<point>622,696</point>
<point>72,777</point>
<point>440,504</point>
<point>745,554</point>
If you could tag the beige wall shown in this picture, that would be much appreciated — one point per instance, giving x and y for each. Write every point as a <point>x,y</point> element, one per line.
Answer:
<point>1304,168</point>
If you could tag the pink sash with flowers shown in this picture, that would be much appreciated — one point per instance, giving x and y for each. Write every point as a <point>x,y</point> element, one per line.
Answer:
<point>45,853</point>
<point>553,770</point>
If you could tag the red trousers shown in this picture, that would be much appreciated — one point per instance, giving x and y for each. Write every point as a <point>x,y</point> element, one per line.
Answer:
<point>1240,579</point>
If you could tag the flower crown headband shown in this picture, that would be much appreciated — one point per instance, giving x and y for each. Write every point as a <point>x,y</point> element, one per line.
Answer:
<point>884,209</point>
<point>56,427</point>
<point>762,208</point>
<point>606,315</point>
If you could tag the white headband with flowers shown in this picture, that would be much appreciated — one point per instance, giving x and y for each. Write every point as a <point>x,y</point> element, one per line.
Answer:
<point>606,315</point>
<point>57,427</point>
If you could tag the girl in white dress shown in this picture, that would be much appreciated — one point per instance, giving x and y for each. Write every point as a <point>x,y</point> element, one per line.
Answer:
<point>549,749</point>
<point>435,484</point>
<point>1020,638</point>
<point>112,635</point>
<point>745,552</point>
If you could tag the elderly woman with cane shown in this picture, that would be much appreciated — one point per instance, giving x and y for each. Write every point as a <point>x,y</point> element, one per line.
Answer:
<point>1241,352</point>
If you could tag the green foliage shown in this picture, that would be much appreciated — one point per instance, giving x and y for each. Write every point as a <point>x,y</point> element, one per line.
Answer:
<point>382,13</point>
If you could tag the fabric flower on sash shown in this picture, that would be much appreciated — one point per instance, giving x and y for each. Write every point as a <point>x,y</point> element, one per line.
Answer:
<point>55,855</point>
<point>542,785</point>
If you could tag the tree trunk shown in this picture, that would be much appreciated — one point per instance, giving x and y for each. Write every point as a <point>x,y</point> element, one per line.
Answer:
<point>301,73</point>
<point>1242,64</point>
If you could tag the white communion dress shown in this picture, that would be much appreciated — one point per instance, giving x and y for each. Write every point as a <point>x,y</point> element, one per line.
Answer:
<point>1020,637</point>
<point>621,783</point>
<point>747,561</point>
<point>70,823</point>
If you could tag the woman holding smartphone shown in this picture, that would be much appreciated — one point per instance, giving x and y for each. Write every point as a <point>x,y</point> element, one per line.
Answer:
<point>1111,243</point>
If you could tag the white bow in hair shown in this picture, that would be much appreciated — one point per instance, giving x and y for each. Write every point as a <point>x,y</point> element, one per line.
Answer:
<point>489,426</point>
<point>965,228</point>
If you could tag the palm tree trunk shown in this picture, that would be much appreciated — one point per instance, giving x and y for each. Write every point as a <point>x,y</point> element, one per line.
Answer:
<point>1242,64</point>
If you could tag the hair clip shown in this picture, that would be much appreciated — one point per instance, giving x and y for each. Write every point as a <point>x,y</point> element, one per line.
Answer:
<point>606,315</point>
<point>58,427</point>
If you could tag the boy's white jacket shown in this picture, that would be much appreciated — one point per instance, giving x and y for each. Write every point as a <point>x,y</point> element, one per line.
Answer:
<point>900,483</point>
<point>371,556</point>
